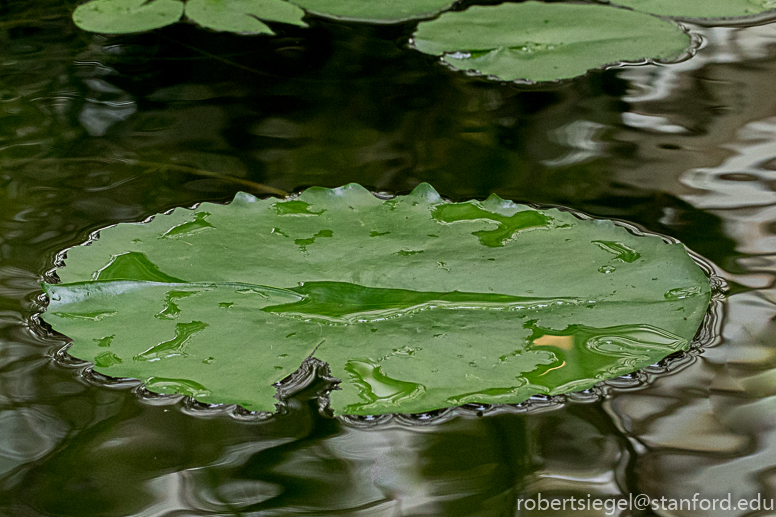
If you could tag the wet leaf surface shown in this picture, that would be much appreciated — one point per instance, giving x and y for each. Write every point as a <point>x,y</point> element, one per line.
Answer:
<point>415,303</point>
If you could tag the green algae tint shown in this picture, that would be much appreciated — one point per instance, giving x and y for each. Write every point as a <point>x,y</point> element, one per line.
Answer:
<point>186,229</point>
<point>414,303</point>
<point>507,226</point>
<point>620,250</point>
<point>132,265</point>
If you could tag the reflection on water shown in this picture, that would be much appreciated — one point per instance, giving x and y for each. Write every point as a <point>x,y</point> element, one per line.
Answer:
<point>686,149</point>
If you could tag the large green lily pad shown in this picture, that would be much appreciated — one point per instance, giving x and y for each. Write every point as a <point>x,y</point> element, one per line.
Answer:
<point>700,8</point>
<point>536,41</point>
<point>414,302</point>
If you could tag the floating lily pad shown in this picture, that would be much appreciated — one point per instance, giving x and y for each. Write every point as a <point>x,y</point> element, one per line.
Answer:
<point>126,16</point>
<point>700,8</point>
<point>240,16</point>
<point>544,42</point>
<point>376,11</point>
<point>243,16</point>
<point>415,303</point>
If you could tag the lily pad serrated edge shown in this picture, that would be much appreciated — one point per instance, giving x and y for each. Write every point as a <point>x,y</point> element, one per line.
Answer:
<point>311,368</point>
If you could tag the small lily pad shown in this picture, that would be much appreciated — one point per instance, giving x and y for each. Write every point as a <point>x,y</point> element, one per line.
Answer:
<point>415,303</point>
<point>536,42</point>
<point>243,16</point>
<point>127,16</point>
<point>700,8</point>
<point>376,11</point>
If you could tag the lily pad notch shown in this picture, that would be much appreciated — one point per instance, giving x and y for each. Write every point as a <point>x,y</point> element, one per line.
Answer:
<point>414,303</point>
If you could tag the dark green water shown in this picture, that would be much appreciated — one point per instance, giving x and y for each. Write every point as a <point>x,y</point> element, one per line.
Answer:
<point>95,131</point>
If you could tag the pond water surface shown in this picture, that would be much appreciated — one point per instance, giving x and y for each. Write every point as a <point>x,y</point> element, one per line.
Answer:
<point>98,130</point>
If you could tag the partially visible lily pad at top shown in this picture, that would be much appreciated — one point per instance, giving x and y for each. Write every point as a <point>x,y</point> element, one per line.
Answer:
<point>702,9</point>
<point>415,303</point>
<point>126,16</point>
<point>239,16</point>
<point>376,11</point>
<point>535,42</point>
<point>243,16</point>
